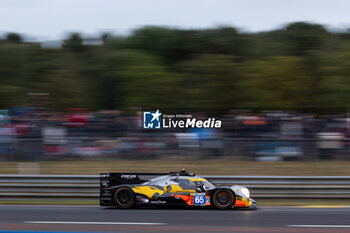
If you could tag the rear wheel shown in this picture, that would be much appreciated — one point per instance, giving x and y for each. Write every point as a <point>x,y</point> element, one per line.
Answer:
<point>223,199</point>
<point>124,198</point>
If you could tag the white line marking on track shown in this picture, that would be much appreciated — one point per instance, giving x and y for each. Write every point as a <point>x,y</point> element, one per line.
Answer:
<point>321,226</point>
<point>97,223</point>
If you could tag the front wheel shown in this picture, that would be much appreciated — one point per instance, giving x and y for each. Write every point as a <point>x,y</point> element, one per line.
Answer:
<point>124,198</point>
<point>223,199</point>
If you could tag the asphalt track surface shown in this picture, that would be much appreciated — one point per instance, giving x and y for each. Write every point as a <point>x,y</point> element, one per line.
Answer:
<point>96,219</point>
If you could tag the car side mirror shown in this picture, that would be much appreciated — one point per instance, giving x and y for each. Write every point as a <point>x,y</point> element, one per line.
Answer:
<point>200,188</point>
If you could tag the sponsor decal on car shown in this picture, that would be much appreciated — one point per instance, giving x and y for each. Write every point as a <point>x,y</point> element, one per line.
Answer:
<point>199,199</point>
<point>125,176</point>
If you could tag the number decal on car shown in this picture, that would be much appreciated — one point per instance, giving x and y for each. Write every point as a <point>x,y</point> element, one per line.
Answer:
<point>199,199</point>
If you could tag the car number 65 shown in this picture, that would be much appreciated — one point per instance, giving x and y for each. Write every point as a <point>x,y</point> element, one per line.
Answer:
<point>199,199</point>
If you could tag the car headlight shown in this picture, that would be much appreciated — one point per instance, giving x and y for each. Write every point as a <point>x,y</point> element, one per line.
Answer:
<point>245,192</point>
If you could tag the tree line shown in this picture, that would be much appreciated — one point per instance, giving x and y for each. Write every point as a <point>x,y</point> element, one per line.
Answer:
<point>299,65</point>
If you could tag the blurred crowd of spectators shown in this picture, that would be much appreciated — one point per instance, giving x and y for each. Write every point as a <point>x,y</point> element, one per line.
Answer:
<point>26,134</point>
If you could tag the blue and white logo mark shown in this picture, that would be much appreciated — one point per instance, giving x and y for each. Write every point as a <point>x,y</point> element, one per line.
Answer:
<point>199,199</point>
<point>151,120</point>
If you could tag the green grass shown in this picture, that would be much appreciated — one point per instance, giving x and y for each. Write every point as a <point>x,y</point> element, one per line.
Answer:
<point>223,166</point>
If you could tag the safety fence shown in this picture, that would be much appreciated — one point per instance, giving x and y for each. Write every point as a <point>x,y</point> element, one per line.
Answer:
<point>182,144</point>
<point>261,187</point>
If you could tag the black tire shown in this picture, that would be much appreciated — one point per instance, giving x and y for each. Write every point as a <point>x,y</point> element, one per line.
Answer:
<point>124,198</point>
<point>223,199</point>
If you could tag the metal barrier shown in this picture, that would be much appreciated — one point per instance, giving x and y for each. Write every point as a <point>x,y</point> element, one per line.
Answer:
<point>261,187</point>
<point>260,149</point>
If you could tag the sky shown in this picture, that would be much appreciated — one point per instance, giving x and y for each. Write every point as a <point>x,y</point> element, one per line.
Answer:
<point>54,19</point>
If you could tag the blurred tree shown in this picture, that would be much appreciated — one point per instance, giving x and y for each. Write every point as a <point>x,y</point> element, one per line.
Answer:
<point>305,37</point>
<point>14,37</point>
<point>267,44</point>
<point>146,83</point>
<point>211,81</point>
<point>223,40</point>
<point>297,66</point>
<point>74,43</point>
<point>174,45</point>
<point>159,41</point>
<point>105,36</point>
<point>334,86</point>
<point>277,82</point>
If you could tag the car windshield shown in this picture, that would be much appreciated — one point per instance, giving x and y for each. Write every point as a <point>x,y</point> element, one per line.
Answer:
<point>207,185</point>
<point>184,183</point>
<point>160,180</point>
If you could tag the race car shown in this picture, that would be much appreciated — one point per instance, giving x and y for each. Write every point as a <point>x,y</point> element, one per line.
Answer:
<point>127,190</point>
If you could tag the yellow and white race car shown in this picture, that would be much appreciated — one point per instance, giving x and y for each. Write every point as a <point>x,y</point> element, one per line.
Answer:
<point>126,190</point>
